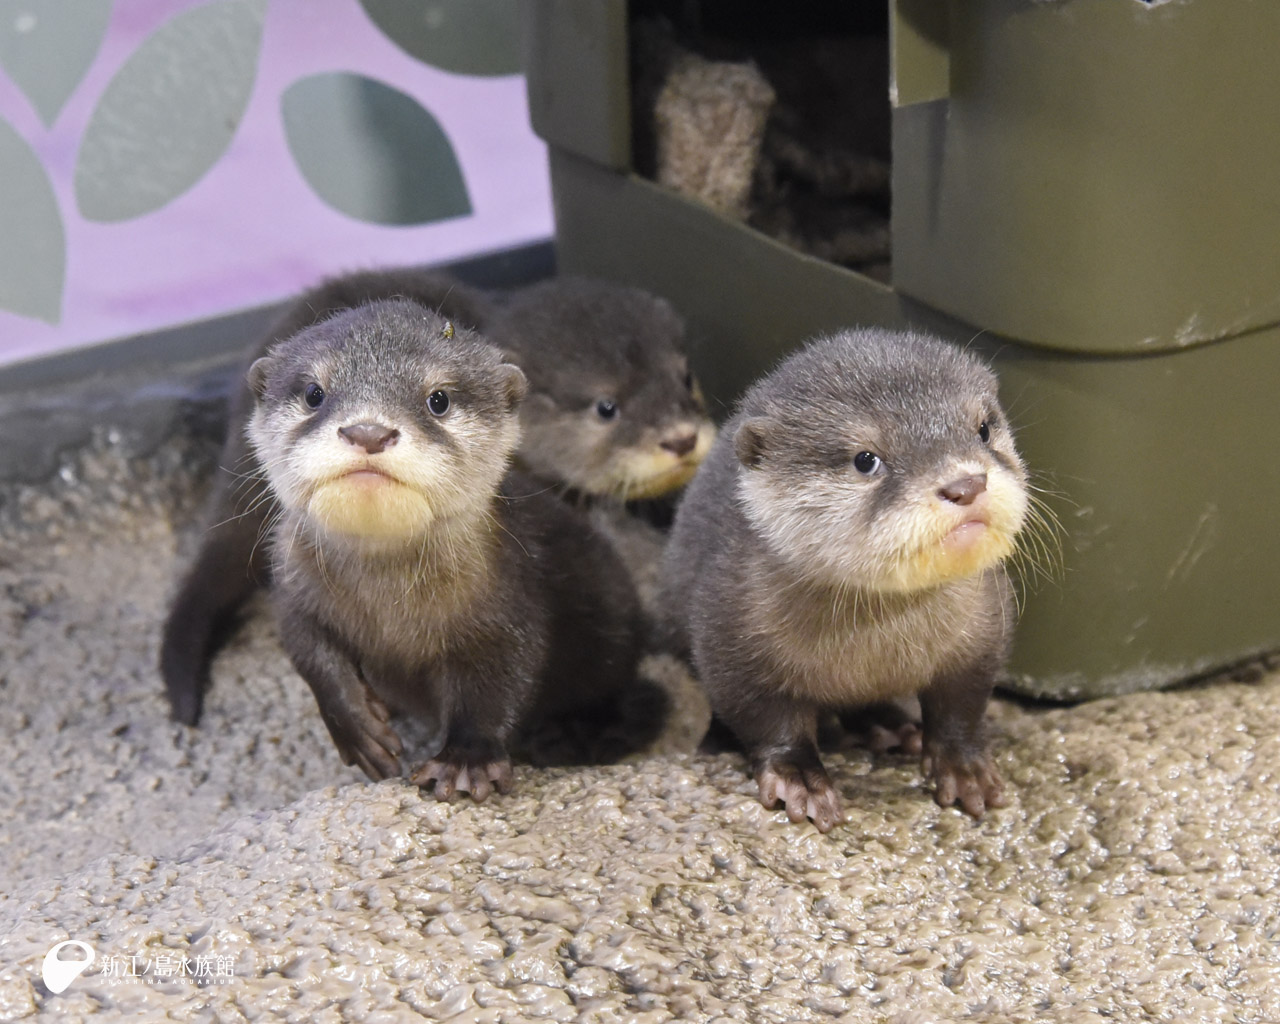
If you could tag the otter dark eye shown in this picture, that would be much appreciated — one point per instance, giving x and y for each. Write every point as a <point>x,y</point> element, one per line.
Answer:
<point>438,403</point>
<point>688,380</point>
<point>313,396</point>
<point>606,408</point>
<point>866,463</point>
<point>984,432</point>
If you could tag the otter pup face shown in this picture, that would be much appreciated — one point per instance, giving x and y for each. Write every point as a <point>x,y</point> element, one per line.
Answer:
<point>881,461</point>
<point>613,406</point>
<point>384,419</point>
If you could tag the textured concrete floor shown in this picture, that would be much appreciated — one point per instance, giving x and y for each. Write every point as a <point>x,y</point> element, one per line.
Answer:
<point>1133,876</point>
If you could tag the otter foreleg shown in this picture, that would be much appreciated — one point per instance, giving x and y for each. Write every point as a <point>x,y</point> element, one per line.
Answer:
<point>955,756</point>
<point>357,719</point>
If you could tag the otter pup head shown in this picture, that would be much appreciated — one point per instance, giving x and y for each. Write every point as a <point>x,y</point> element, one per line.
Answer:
<point>881,461</point>
<point>383,420</point>
<point>613,409</point>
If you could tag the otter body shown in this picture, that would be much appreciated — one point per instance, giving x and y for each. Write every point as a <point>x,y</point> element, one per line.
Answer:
<point>842,547</point>
<point>410,571</point>
<point>612,411</point>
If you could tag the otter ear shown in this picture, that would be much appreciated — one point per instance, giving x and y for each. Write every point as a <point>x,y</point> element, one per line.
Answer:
<point>514,383</point>
<point>257,376</point>
<point>752,440</point>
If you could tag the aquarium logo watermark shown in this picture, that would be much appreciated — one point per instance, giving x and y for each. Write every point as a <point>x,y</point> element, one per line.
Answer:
<point>57,972</point>
<point>153,969</point>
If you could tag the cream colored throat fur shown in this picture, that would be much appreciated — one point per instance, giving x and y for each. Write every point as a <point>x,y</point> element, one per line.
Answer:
<point>405,597</point>
<point>598,467</point>
<point>844,647</point>
<point>650,471</point>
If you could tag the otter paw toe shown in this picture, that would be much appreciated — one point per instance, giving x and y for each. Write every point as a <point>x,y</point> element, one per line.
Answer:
<point>806,793</point>
<point>971,782</point>
<point>448,775</point>
<point>367,740</point>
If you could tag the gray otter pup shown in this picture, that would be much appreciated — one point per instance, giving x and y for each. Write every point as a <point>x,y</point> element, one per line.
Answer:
<point>408,574</point>
<point>612,410</point>
<point>843,546</point>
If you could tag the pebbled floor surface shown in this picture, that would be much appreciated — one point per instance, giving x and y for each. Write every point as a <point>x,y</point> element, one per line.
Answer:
<point>239,872</point>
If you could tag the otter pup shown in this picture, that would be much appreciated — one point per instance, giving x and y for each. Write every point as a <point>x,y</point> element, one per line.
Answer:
<point>410,572</point>
<point>613,409</point>
<point>843,546</point>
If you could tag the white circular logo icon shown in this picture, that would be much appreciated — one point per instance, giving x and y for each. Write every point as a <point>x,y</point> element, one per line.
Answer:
<point>58,974</point>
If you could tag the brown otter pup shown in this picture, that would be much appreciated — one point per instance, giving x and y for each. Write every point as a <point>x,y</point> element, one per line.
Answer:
<point>612,410</point>
<point>842,546</point>
<point>410,572</point>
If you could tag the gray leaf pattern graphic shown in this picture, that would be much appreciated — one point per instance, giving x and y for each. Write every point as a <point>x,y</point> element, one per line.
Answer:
<point>170,112</point>
<point>371,151</point>
<point>46,48</point>
<point>469,37</point>
<point>32,240</point>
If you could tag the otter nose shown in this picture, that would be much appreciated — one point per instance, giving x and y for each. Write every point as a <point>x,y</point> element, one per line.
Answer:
<point>682,444</point>
<point>372,437</point>
<point>964,490</point>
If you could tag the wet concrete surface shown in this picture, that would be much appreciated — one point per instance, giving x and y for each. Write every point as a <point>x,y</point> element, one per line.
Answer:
<point>1133,876</point>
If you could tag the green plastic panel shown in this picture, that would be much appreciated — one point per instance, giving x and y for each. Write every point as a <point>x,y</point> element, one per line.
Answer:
<point>1164,478</point>
<point>1159,468</point>
<point>576,60</point>
<point>1100,186</point>
<point>1103,176</point>
<point>750,297</point>
<point>919,51</point>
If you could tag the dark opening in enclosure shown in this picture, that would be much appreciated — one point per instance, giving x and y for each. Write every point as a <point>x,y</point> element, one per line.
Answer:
<point>775,114</point>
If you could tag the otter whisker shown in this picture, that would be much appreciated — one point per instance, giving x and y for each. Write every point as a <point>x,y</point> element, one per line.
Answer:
<point>265,530</point>
<point>262,499</point>
<point>496,522</point>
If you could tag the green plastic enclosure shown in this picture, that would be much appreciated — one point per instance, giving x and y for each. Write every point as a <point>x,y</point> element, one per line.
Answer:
<point>1086,191</point>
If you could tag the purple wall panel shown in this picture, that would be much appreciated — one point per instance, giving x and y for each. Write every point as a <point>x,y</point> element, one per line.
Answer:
<point>251,230</point>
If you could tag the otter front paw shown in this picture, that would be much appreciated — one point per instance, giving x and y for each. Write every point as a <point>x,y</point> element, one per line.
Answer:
<point>807,793</point>
<point>364,737</point>
<point>968,779</point>
<point>453,772</point>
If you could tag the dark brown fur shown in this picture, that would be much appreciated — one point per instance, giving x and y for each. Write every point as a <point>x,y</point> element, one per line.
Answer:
<point>503,607</point>
<point>578,341</point>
